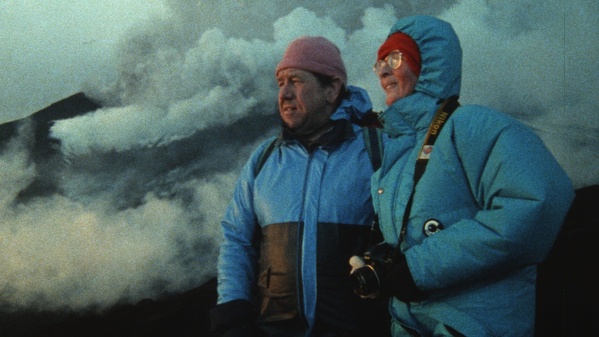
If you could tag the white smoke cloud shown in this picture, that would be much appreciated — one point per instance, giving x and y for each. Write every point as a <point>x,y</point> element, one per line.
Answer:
<point>48,49</point>
<point>16,171</point>
<point>173,94</point>
<point>62,253</point>
<point>147,178</point>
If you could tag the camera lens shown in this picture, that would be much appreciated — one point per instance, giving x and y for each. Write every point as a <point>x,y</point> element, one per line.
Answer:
<point>365,281</point>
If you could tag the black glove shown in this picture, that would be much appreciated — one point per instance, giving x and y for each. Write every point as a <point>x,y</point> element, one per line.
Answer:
<point>400,283</point>
<point>234,319</point>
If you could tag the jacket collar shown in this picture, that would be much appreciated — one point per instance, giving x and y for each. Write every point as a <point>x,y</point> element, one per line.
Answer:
<point>339,131</point>
<point>354,106</point>
<point>410,114</point>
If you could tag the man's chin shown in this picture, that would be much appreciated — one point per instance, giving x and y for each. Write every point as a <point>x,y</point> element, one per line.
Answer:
<point>288,127</point>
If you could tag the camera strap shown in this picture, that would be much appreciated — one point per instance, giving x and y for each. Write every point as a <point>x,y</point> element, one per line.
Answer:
<point>443,113</point>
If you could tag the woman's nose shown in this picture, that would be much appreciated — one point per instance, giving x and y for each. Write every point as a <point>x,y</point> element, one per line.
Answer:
<point>384,70</point>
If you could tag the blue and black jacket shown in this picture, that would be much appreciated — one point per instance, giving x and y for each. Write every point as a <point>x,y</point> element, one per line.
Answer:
<point>313,210</point>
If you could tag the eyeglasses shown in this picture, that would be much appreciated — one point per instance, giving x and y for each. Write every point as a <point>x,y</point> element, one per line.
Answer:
<point>393,60</point>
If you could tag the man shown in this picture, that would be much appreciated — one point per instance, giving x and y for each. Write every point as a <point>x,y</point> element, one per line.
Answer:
<point>298,215</point>
<point>474,219</point>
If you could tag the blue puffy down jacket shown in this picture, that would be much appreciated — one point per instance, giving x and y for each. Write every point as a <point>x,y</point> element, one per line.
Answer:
<point>498,192</point>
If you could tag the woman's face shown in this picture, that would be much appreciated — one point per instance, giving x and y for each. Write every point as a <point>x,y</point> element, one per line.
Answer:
<point>396,83</point>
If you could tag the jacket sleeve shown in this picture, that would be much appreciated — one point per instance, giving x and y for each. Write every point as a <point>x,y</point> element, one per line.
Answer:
<point>522,195</point>
<point>237,260</point>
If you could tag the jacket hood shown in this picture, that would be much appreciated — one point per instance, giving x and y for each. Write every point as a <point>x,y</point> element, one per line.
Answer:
<point>440,54</point>
<point>354,106</point>
<point>440,74</point>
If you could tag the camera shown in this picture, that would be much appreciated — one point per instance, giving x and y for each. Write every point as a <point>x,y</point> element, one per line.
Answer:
<point>379,259</point>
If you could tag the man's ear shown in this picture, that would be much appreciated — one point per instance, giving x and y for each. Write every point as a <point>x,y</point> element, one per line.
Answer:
<point>334,90</point>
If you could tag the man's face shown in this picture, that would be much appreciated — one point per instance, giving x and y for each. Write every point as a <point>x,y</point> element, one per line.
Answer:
<point>304,103</point>
<point>397,83</point>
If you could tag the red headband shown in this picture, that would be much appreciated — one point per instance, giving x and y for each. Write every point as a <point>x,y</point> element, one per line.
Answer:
<point>407,47</point>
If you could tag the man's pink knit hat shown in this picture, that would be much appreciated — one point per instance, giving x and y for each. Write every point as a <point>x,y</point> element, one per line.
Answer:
<point>314,54</point>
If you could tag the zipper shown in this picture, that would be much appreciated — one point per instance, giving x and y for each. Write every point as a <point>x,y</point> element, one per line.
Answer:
<point>300,239</point>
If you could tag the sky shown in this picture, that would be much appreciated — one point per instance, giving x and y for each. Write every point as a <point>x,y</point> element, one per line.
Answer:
<point>144,180</point>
